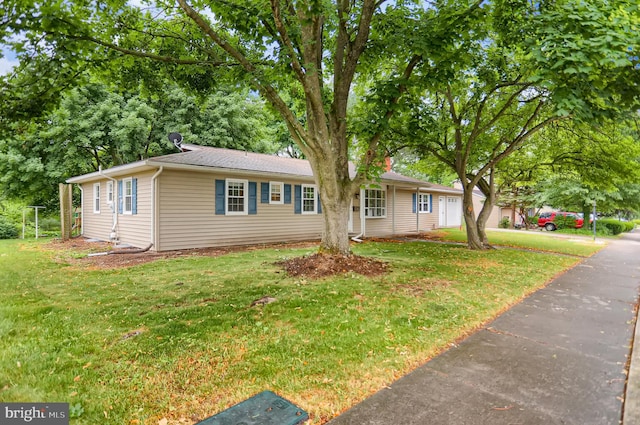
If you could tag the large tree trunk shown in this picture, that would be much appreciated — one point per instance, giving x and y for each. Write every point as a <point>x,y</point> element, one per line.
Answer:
<point>335,236</point>
<point>336,190</point>
<point>476,226</point>
<point>483,217</point>
<point>474,240</point>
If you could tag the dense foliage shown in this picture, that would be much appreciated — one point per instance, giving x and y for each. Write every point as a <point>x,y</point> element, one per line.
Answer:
<point>96,127</point>
<point>7,229</point>
<point>468,82</point>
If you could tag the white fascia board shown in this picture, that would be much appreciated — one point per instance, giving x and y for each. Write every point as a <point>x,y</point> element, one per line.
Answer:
<point>422,188</point>
<point>230,171</point>
<point>120,170</point>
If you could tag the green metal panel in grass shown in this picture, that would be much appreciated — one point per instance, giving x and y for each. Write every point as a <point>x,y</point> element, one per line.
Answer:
<point>261,409</point>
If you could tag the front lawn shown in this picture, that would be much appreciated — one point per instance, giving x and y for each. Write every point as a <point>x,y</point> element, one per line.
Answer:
<point>178,338</point>
<point>582,245</point>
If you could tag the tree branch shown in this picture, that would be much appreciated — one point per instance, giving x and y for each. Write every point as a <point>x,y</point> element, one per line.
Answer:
<point>370,154</point>
<point>286,41</point>
<point>297,130</point>
<point>483,102</point>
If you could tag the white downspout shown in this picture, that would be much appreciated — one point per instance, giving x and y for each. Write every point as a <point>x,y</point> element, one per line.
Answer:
<point>418,210</point>
<point>114,233</point>
<point>362,219</point>
<point>154,209</point>
<point>81,210</point>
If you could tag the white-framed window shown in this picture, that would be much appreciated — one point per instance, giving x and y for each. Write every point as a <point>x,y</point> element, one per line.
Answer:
<point>96,198</point>
<point>423,203</point>
<point>276,193</point>
<point>109,192</point>
<point>375,203</point>
<point>127,196</point>
<point>309,199</point>
<point>237,197</point>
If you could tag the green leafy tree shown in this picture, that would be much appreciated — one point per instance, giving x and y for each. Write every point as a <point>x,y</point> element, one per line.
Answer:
<point>521,67</point>
<point>303,58</point>
<point>306,57</point>
<point>581,163</point>
<point>97,128</point>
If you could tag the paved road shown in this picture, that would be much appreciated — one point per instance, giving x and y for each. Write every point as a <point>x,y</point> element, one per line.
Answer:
<point>558,357</point>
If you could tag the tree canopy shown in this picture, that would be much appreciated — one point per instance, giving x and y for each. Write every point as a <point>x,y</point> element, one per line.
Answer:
<point>520,68</point>
<point>95,127</point>
<point>473,79</point>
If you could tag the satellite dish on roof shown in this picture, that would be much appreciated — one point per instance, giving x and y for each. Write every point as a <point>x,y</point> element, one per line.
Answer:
<point>176,139</point>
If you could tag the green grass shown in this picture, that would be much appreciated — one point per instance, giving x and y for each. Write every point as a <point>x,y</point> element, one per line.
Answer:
<point>535,240</point>
<point>177,338</point>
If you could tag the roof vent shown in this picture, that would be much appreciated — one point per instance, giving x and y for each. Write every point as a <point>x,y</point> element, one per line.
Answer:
<point>176,139</point>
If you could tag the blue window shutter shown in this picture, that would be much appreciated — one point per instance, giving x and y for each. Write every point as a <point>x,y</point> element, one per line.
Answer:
<point>415,202</point>
<point>287,193</point>
<point>297,207</point>
<point>253,198</point>
<point>264,193</point>
<point>119,196</point>
<point>430,203</point>
<point>134,196</point>
<point>220,186</point>
<point>319,205</point>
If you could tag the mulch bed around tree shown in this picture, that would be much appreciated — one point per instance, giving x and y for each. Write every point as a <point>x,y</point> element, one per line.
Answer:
<point>321,265</point>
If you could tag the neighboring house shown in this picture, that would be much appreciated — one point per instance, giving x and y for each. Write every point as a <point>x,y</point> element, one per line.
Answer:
<point>501,211</point>
<point>207,197</point>
<point>497,213</point>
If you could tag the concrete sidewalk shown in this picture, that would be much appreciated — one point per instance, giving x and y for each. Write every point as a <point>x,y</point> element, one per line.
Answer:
<point>559,357</point>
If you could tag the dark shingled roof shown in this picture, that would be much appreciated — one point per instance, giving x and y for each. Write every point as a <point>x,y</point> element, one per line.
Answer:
<point>209,157</point>
<point>195,156</point>
<point>205,156</point>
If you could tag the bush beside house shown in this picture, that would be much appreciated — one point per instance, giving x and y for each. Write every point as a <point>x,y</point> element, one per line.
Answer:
<point>7,229</point>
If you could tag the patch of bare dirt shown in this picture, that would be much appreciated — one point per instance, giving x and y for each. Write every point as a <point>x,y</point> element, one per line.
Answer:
<point>433,235</point>
<point>76,251</point>
<point>321,265</point>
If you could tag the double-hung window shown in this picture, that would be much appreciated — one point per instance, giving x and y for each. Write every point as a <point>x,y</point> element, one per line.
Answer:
<point>237,196</point>
<point>423,203</point>
<point>110,193</point>
<point>375,203</point>
<point>96,198</point>
<point>127,196</point>
<point>276,193</point>
<point>309,199</point>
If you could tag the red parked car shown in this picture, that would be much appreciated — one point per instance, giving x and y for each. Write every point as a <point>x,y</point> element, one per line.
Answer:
<point>546,219</point>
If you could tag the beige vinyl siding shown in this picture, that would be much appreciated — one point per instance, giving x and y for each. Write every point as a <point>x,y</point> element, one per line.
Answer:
<point>96,226</point>
<point>187,218</point>
<point>135,229</point>
<point>131,229</point>
<point>400,217</point>
<point>404,220</point>
<point>381,226</point>
<point>496,212</point>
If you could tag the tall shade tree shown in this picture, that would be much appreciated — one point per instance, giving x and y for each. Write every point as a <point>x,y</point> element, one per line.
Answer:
<point>305,58</point>
<point>520,68</point>
<point>302,56</point>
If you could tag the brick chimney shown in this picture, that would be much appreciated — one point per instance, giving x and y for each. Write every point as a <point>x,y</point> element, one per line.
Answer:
<point>387,163</point>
